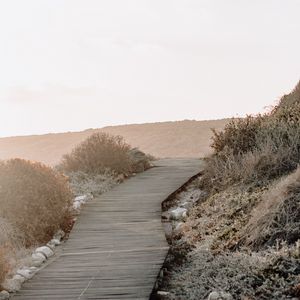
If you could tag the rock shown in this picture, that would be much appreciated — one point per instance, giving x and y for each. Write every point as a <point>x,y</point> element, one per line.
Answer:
<point>53,243</point>
<point>162,293</point>
<point>50,245</point>
<point>12,285</point>
<point>213,296</point>
<point>59,235</point>
<point>4,295</point>
<point>38,259</point>
<point>187,205</point>
<point>45,251</point>
<point>220,296</point>
<point>20,278</point>
<point>178,213</point>
<point>26,273</point>
<point>80,200</point>
<point>56,242</point>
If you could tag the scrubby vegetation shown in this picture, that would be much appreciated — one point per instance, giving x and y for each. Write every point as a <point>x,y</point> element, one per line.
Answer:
<point>256,149</point>
<point>101,152</point>
<point>34,199</point>
<point>244,231</point>
<point>35,202</point>
<point>100,162</point>
<point>254,153</point>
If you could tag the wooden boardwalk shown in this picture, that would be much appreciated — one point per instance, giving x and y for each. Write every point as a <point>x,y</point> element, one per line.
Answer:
<point>117,246</point>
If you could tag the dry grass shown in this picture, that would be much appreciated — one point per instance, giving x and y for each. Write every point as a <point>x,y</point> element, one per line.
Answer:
<point>277,217</point>
<point>34,199</point>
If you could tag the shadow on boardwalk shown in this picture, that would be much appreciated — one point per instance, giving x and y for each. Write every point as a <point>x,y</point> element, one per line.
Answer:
<point>118,245</point>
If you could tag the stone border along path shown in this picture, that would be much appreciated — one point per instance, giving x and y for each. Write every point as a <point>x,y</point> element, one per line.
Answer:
<point>117,246</point>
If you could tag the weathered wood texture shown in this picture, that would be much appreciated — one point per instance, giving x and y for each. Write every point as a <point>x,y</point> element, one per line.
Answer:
<point>117,246</point>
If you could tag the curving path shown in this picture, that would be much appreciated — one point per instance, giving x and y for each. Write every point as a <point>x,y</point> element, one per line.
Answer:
<point>118,245</point>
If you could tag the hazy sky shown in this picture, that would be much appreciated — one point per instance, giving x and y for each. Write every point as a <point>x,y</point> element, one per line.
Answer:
<point>75,64</point>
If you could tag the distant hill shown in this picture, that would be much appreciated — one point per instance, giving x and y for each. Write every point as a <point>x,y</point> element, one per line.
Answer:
<point>165,139</point>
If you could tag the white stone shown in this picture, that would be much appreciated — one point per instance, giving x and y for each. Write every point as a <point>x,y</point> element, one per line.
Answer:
<point>45,250</point>
<point>38,259</point>
<point>178,213</point>
<point>55,242</point>
<point>12,285</point>
<point>21,278</point>
<point>77,205</point>
<point>162,293</point>
<point>213,296</point>
<point>220,296</point>
<point>4,295</point>
<point>82,198</point>
<point>26,273</point>
<point>51,246</point>
<point>186,205</point>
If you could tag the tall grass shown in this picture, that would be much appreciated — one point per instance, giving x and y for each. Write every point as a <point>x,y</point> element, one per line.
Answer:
<point>277,217</point>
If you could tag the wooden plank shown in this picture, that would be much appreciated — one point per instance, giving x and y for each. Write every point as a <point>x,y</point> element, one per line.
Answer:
<point>117,246</point>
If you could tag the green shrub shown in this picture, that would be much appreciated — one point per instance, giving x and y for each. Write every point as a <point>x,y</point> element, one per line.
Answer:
<point>34,199</point>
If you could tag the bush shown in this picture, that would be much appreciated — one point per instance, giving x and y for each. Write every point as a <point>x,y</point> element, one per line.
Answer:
<point>101,152</point>
<point>239,135</point>
<point>257,149</point>
<point>34,199</point>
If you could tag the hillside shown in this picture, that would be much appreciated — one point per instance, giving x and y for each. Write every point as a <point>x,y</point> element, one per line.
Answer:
<point>235,231</point>
<point>165,139</point>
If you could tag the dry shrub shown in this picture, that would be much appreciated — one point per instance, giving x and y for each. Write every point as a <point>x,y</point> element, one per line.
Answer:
<point>101,152</point>
<point>34,199</point>
<point>256,149</point>
<point>238,136</point>
<point>277,217</point>
<point>10,236</point>
<point>98,153</point>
